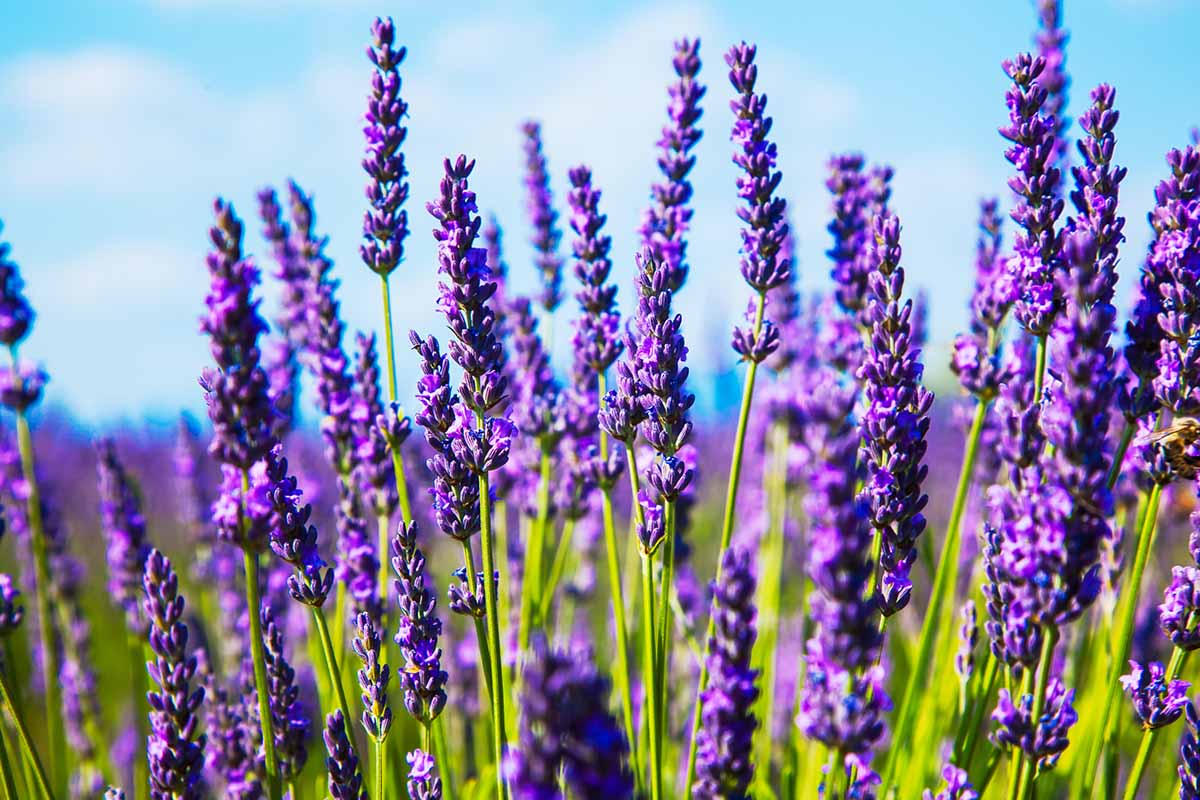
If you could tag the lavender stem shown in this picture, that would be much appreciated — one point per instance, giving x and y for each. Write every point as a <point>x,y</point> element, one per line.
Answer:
<point>254,604</point>
<point>9,786</point>
<point>331,663</point>
<point>31,756</point>
<point>491,611</point>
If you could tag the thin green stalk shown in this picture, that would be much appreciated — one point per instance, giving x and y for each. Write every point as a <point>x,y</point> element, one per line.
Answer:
<point>1044,667</point>
<point>397,456</point>
<point>535,546</point>
<point>770,590</point>
<point>9,785</point>
<point>331,666</point>
<point>1114,470</point>
<point>1039,377</point>
<point>500,525</point>
<point>485,658</point>
<point>383,581</point>
<point>254,604</point>
<point>731,492</point>
<point>443,760</point>
<point>649,657</point>
<point>137,683</point>
<point>977,705</point>
<point>562,550</point>
<point>944,581</point>
<point>1127,612</point>
<point>380,761</point>
<point>30,752</point>
<point>664,620</point>
<point>53,691</point>
<point>624,678</point>
<point>1150,735</point>
<point>492,613</point>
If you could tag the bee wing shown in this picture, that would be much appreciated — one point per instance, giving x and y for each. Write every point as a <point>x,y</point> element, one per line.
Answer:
<point>1153,437</point>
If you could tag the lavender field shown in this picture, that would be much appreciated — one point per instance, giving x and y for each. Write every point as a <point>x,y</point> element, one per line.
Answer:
<point>499,550</point>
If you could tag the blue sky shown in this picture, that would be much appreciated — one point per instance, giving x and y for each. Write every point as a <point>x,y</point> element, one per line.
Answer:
<point>123,119</point>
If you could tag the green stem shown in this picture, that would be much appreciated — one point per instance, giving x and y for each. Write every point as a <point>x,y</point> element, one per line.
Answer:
<point>397,456</point>
<point>443,760</point>
<point>1044,667</point>
<point>331,667</point>
<point>492,613</point>
<point>624,678</point>
<point>977,704</point>
<point>535,546</point>
<point>137,684</point>
<point>485,658</point>
<point>731,492</point>
<point>254,606</point>
<point>1039,378</point>
<point>385,561</point>
<point>1150,735</point>
<point>649,658</point>
<point>664,620</point>
<point>31,755</point>
<point>53,691</point>
<point>944,581</point>
<point>770,589</point>
<point>10,786</point>
<point>380,761</point>
<point>562,550</point>
<point>1126,612</point>
<point>1114,470</point>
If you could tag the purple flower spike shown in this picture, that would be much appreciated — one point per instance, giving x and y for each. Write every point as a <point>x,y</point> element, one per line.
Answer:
<point>1032,131</point>
<point>665,224</point>
<point>385,225</point>
<point>957,786</point>
<point>423,781</point>
<point>236,391</point>
<point>175,747</point>
<point>16,316</point>
<point>968,639</point>
<point>539,206</point>
<point>1170,220</point>
<point>976,359</point>
<point>373,463</point>
<point>345,780</point>
<point>764,215</point>
<point>292,537</point>
<point>1156,702</point>
<point>896,421</point>
<point>125,530</point>
<point>1189,755</point>
<point>289,718</point>
<point>373,678</point>
<point>566,729</point>
<point>1043,740</point>
<point>1097,186</point>
<point>597,341</point>
<point>420,629</point>
<point>724,767</point>
<point>113,793</point>
<point>291,269</point>
<point>1051,40</point>
<point>11,610</point>
<point>1179,614</point>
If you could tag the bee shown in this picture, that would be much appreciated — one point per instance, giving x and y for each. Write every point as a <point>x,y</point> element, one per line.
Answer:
<point>1173,443</point>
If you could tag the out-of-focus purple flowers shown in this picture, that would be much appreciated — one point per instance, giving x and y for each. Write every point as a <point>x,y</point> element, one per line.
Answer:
<point>539,206</point>
<point>16,315</point>
<point>724,768</point>
<point>956,786</point>
<point>1189,755</point>
<point>976,357</point>
<point>125,531</point>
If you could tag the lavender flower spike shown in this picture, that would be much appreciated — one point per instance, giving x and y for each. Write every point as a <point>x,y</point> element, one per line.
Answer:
<point>125,529</point>
<point>1156,702</point>
<point>1043,740</point>
<point>16,315</point>
<point>764,217</point>
<point>1189,755</point>
<point>665,223</point>
<point>385,225</point>
<point>1032,133</point>
<point>175,747</point>
<point>372,678</point>
<point>597,343</point>
<point>724,768</point>
<point>896,421</point>
<point>539,205</point>
<point>957,786</point>
<point>345,779</point>
<point>423,677</point>
<point>1051,40</point>
<point>423,780</point>
<point>289,719</point>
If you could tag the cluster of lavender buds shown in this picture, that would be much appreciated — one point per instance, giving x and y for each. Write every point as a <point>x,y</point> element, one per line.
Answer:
<point>597,340</point>
<point>895,422</point>
<point>16,315</point>
<point>859,194</point>
<point>723,759</point>
<point>1189,755</point>
<point>957,786</point>
<point>373,466</point>
<point>385,225</point>
<point>289,718</point>
<point>539,206</point>
<point>373,678</point>
<point>420,629</point>
<point>1032,132</point>
<point>665,223</point>
<point>1042,739</point>
<point>764,215</point>
<point>976,359</point>
<point>345,780</point>
<point>176,746</point>
<point>292,537</point>
<point>566,731</point>
<point>423,781</point>
<point>1051,42</point>
<point>125,531</point>
<point>1157,700</point>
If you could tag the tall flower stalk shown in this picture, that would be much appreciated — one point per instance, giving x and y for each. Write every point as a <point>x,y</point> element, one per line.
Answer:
<point>22,386</point>
<point>241,414</point>
<point>764,267</point>
<point>385,224</point>
<point>482,441</point>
